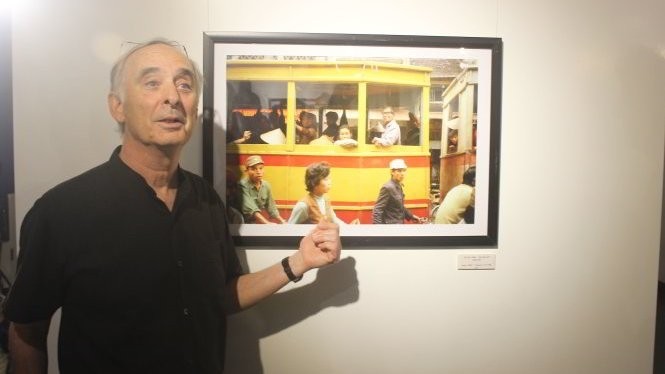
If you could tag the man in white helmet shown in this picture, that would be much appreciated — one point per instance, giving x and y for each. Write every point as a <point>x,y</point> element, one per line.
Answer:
<point>389,207</point>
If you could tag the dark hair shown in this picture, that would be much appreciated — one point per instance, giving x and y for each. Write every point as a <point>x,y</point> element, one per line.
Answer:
<point>315,173</point>
<point>332,115</point>
<point>304,114</point>
<point>469,176</point>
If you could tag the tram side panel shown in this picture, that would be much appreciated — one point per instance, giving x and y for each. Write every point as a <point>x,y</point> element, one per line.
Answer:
<point>356,182</point>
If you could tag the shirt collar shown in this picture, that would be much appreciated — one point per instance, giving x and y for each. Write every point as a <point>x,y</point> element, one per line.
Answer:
<point>128,174</point>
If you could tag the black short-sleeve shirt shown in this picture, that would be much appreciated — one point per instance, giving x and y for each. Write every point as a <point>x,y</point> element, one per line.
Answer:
<point>141,287</point>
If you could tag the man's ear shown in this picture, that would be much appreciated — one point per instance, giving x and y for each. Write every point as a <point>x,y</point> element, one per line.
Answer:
<point>116,108</point>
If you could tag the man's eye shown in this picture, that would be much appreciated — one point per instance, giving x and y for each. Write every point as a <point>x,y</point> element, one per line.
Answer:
<point>184,86</point>
<point>152,84</point>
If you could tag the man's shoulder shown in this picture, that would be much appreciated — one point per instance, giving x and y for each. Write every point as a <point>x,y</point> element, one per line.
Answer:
<point>195,179</point>
<point>244,183</point>
<point>199,186</point>
<point>462,189</point>
<point>79,191</point>
<point>88,182</point>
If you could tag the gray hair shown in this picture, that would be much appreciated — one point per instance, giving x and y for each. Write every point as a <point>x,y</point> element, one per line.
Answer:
<point>118,69</point>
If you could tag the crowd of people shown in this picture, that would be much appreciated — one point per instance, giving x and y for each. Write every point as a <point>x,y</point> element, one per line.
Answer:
<point>255,201</point>
<point>257,205</point>
<point>254,129</point>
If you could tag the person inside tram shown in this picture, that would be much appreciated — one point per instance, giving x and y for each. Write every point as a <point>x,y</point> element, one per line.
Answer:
<point>314,206</point>
<point>306,127</point>
<point>392,134</point>
<point>331,122</point>
<point>277,119</point>
<point>243,96</point>
<point>326,137</point>
<point>452,140</point>
<point>236,133</point>
<point>258,124</point>
<point>247,129</point>
<point>375,130</point>
<point>345,137</point>
<point>413,132</point>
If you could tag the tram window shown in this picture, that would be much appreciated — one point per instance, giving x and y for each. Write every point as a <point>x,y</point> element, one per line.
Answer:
<point>453,108</point>
<point>256,112</point>
<point>392,103</point>
<point>322,107</point>
<point>453,140</point>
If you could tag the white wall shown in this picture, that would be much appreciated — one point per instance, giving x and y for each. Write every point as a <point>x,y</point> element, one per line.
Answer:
<point>581,184</point>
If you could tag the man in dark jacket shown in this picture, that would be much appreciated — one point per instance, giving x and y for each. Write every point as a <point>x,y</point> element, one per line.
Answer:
<point>389,207</point>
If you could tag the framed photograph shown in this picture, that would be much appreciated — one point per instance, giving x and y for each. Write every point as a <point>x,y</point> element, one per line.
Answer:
<point>394,137</point>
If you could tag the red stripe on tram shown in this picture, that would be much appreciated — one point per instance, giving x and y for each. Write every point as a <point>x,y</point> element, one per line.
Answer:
<point>351,162</point>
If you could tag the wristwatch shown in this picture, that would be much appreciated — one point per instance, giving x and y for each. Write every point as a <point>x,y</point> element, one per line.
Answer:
<point>289,273</point>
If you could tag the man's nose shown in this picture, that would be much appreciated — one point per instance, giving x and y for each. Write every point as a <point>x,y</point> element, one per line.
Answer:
<point>171,94</point>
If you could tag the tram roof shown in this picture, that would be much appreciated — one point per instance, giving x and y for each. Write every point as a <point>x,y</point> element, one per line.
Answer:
<point>365,64</point>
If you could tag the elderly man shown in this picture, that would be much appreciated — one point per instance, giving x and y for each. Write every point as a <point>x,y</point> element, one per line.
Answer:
<point>392,135</point>
<point>137,251</point>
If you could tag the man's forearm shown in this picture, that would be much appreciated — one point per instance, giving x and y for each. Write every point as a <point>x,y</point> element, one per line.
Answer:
<point>27,347</point>
<point>254,287</point>
<point>319,248</point>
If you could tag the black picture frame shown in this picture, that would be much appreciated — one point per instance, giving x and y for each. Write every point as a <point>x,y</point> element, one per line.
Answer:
<point>482,54</point>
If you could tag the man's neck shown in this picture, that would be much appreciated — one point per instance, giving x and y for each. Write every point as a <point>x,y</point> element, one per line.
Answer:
<point>156,166</point>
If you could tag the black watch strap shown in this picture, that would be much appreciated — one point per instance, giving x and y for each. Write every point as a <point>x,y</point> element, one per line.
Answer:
<point>288,271</point>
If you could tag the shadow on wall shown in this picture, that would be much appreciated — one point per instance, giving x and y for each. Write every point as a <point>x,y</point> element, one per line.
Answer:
<point>335,285</point>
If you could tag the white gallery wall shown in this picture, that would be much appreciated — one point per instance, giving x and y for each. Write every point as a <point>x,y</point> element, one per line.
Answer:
<point>583,130</point>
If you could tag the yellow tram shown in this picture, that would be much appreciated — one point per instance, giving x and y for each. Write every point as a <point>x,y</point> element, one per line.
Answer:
<point>272,97</point>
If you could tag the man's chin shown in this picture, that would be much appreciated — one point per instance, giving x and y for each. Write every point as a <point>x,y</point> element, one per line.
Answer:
<point>175,137</point>
<point>169,144</point>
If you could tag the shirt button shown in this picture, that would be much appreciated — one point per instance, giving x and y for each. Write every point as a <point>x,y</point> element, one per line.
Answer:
<point>185,312</point>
